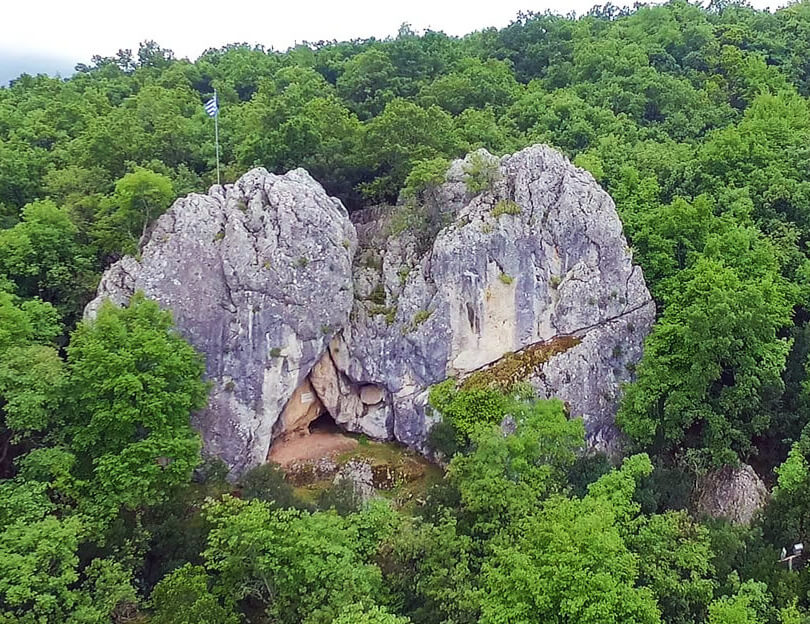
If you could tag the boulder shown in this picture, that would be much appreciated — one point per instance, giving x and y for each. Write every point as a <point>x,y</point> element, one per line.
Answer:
<point>300,310</point>
<point>735,493</point>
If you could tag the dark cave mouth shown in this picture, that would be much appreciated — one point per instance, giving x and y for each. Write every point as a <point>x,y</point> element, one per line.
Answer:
<point>324,423</point>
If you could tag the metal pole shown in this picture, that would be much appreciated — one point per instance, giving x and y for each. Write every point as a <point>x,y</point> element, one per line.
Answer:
<point>216,131</point>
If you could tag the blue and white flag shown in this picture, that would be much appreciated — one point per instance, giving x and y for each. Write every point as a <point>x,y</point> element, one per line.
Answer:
<point>212,107</point>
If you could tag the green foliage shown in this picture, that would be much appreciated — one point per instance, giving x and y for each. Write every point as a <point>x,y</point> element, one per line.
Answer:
<point>676,557</point>
<point>420,317</point>
<point>300,567</point>
<point>481,172</point>
<point>428,569</point>
<point>268,483</point>
<point>468,410</point>
<point>749,605</point>
<point>32,374</point>
<point>42,257</point>
<point>135,381</point>
<point>506,476</point>
<point>424,175</point>
<point>569,562</point>
<point>402,135</point>
<point>184,597</point>
<point>505,207</point>
<point>40,579</point>
<point>360,614</point>
<point>140,197</point>
<point>712,364</point>
<point>341,497</point>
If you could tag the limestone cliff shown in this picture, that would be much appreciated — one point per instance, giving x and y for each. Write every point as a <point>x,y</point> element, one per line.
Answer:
<point>263,278</point>
<point>258,277</point>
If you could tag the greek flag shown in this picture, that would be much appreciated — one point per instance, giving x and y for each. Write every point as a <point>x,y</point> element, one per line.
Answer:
<point>212,107</point>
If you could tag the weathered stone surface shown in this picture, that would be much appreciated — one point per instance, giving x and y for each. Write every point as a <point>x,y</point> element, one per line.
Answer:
<point>260,278</point>
<point>733,493</point>
<point>301,409</point>
<point>554,263</point>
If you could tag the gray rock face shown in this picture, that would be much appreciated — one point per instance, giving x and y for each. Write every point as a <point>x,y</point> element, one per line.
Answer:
<point>538,257</point>
<point>260,278</point>
<point>733,493</point>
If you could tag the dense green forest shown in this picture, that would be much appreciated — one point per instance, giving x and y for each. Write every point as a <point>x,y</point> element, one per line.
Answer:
<point>696,120</point>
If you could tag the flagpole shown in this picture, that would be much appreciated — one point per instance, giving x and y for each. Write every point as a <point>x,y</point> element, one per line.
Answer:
<point>216,131</point>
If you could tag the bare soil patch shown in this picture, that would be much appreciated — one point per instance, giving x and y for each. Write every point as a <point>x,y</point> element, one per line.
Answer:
<point>313,446</point>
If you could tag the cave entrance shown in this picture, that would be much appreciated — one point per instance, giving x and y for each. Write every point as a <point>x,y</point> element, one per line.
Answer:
<point>324,423</point>
<point>307,431</point>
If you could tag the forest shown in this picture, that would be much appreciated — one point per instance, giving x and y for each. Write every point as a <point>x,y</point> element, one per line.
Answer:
<point>695,119</point>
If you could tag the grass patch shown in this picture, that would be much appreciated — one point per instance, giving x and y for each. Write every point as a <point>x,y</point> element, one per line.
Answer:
<point>505,207</point>
<point>517,367</point>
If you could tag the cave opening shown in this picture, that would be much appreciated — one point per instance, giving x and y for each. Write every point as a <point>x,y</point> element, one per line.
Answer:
<point>324,423</point>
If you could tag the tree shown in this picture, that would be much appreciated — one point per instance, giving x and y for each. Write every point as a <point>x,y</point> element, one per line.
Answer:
<point>183,597</point>
<point>428,570</point>
<point>368,82</point>
<point>749,605</point>
<point>568,562</point>
<point>40,581</point>
<point>43,257</point>
<point>134,383</point>
<point>507,476</point>
<point>299,567</point>
<point>31,372</point>
<point>360,614</point>
<point>399,137</point>
<point>712,366</point>
<point>675,556</point>
<point>140,197</point>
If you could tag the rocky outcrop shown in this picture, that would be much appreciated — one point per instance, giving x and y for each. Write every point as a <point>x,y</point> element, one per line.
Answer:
<point>734,493</point>
<point>537,261</point>
<point>260,278</point>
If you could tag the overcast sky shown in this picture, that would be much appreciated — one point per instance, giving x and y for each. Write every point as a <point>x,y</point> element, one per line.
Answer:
<point>54,35</point>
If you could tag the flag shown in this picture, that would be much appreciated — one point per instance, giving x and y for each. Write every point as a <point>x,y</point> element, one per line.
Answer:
<point>212,107</point>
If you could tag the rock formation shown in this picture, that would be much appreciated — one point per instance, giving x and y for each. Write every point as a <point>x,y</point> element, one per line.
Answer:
<point>530,278</point>
<point>258,277</point>
<point>735,493</point>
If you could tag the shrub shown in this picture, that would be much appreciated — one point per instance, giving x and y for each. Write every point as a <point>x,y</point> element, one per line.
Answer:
<point>468,410</point>
<point>342,496</point>
<point>481,172</point>
<point>506,279</point>
<point>420,317</point>
<point>377,295</point>
<point>444,439</point>
<point>506,206</point>
<point>409,217</point>
<point>268,483</point>
<point>426,174</point>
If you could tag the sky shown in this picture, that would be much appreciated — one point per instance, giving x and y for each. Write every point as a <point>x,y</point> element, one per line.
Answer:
<point>53,35</point>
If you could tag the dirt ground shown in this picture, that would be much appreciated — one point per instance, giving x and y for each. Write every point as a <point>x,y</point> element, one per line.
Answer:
<point>314,446</point>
